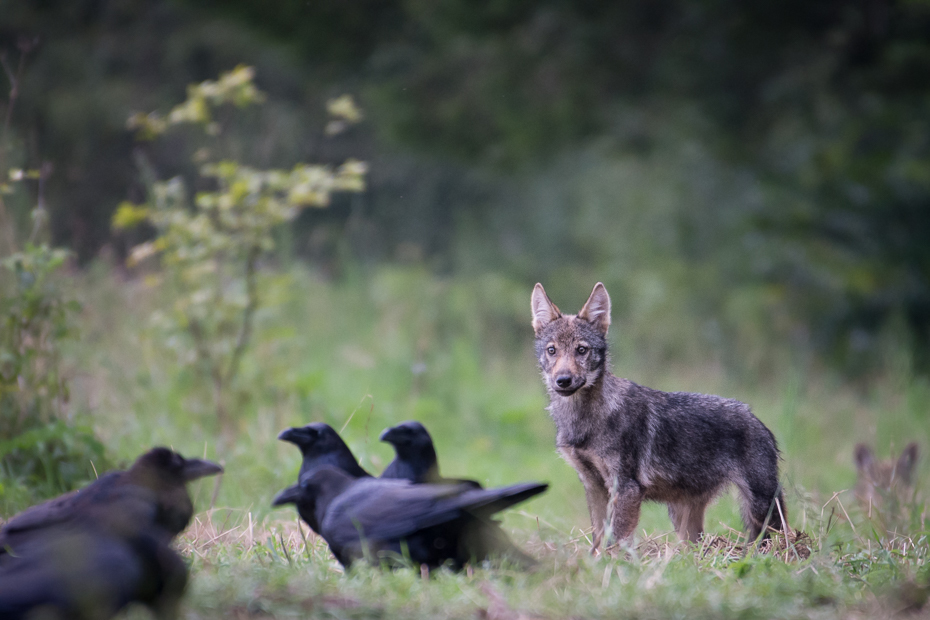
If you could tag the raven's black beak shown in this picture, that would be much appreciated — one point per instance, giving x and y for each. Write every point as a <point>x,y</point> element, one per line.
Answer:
<point>290,495</point>
<point>296,435</point>
<point>199,468</point>
<point>388,435</point>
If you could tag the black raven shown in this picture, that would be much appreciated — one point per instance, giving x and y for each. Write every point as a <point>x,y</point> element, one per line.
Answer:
<point>416,457</point>
<point>321,445</point>
<point>416,461</point>
<point>152,492</point>
<point>392,519</point>
<point>82,571</point>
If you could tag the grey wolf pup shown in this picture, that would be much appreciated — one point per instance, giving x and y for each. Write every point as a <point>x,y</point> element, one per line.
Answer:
<point>631,444</point>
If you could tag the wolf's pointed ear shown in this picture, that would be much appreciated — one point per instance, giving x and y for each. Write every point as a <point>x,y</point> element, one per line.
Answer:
<point>544,311</point>
<point>863,457</point>
<point>905,465</point>
<point>597,309</point>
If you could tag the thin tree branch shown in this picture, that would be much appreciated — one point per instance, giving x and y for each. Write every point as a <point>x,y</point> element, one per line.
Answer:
<point>248,314</point>
<point>216,375</point>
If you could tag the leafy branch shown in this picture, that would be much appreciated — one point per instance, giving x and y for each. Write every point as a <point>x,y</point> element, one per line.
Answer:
<point>210,247</point>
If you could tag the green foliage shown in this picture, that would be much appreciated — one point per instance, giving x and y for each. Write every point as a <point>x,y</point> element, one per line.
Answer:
<point>235,87</point>
<point>35,318</point>
<point>40,454</point>
<point>48,460</point>
<point>210,250</point>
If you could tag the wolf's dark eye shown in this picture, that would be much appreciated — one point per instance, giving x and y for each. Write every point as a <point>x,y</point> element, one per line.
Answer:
<point>551,350</point>
<point>582,350</point>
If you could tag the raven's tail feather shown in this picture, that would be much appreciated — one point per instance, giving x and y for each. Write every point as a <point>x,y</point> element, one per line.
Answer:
<point>485,502</point>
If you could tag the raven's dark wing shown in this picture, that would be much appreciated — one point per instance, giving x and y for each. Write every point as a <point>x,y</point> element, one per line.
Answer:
<point>386,510</point>
<point>123,508</point>
<point>59,509</point>
<point>383,510</point>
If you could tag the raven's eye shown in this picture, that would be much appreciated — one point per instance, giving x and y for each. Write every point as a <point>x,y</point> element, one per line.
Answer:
<point>551,350</point>
<point>582,350</point>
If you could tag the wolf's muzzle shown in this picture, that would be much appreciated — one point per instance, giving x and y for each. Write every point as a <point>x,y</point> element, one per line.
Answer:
<point>566,385</point>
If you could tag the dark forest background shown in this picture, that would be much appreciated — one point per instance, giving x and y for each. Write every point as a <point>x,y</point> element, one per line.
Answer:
<point>763,168</point>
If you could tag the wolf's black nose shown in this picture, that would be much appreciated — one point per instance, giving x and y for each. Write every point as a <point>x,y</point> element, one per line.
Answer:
<point>564,381</point>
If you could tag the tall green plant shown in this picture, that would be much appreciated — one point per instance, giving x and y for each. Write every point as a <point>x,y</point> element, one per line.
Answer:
<point>210,243</point>
<point>34,318</point>
<point>40,453</point>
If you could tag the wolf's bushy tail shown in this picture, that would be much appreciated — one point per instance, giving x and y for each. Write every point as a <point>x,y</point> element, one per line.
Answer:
<point>763,503</point>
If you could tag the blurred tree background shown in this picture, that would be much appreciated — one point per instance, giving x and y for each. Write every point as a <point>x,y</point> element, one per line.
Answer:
<point>738,174</point>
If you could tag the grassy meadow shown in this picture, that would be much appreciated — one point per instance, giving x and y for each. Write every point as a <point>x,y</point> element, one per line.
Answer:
<point>397,343</point>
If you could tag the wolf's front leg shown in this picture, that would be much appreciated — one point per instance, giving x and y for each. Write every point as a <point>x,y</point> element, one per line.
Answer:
<point>626,498</point>
<point>595,491</point>
<point>596,494</point>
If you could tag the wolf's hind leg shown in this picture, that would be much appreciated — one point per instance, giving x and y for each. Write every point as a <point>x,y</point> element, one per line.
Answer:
<point>688,519</point>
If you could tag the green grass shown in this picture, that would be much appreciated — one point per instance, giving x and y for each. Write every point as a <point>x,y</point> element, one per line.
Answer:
<point>400,343</point>
<point>270,571</point>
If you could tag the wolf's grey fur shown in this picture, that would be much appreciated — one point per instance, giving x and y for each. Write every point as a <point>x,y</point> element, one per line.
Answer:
<point>631,444</point>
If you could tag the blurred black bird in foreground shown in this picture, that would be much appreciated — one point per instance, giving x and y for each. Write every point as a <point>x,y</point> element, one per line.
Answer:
<point>86,555</point>
<point>151,493</point>
<point>320,445</point>
<point>416,457</point>
<point>78,571</point>
<point>394,520</point>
